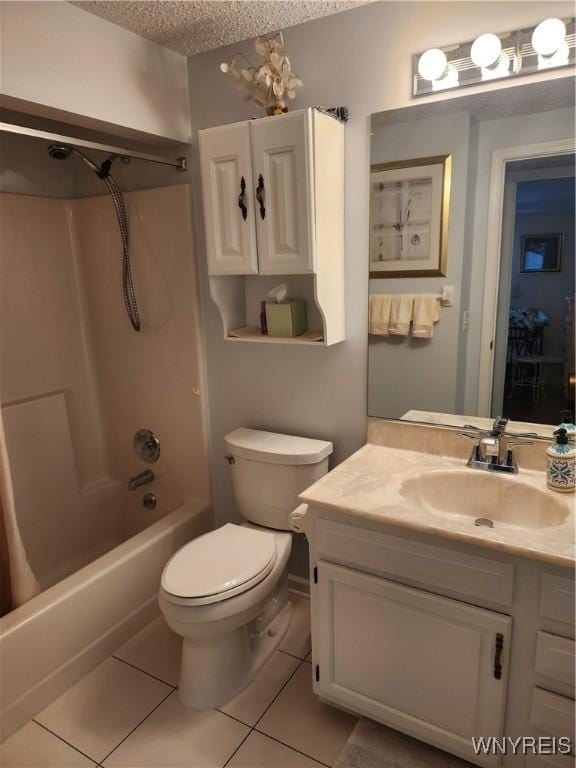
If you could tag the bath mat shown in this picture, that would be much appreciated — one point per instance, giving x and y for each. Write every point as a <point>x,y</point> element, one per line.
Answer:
<point>372,745</point>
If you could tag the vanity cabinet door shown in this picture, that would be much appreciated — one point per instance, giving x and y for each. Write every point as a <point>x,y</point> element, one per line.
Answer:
<point>228,198</point>
<point>282,161</point>
<point>432,667</point>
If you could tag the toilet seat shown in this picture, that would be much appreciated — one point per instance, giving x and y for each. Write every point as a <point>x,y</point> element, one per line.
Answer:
<point>219,565</point>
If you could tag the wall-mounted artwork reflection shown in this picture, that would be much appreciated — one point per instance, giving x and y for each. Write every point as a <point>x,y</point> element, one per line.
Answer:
<point>409,210</point>
<point>541,253</point>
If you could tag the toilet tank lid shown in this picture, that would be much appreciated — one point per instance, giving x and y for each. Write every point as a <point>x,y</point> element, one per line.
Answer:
<point>275,448</point>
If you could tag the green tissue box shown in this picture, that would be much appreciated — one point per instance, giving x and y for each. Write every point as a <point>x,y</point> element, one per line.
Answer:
<point>287,319</point>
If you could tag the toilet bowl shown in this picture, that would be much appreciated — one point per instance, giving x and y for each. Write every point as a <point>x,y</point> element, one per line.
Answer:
<point>226,592</point>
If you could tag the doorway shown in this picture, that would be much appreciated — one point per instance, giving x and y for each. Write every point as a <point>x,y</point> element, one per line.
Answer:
<point>534,339</point>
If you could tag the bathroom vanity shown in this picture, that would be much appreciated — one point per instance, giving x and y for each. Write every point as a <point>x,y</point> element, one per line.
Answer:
<point>431,623</point>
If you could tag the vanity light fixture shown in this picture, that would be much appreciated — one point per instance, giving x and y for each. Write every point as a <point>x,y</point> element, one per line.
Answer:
<point>549,45</point>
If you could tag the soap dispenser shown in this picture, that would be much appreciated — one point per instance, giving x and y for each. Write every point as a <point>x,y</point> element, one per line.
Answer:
<point>561,463</point>
<point>568,426</point>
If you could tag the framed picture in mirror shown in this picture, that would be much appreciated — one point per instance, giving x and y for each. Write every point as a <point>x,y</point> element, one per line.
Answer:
<point>409,212</point>
<point>541,253</point>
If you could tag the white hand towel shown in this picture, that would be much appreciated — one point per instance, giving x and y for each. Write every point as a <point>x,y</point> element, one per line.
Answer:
<point>379,313</point>
<point>401,314</point>
<point>425,313</point>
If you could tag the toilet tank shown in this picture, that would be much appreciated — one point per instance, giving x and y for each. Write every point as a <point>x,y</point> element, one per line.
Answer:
<point>269,470</point>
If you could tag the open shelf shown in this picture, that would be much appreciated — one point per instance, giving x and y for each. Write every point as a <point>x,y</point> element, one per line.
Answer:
<point>238,299</point>
<point>252,333</point>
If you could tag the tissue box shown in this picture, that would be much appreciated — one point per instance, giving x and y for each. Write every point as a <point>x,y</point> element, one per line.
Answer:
<point>286,319</point>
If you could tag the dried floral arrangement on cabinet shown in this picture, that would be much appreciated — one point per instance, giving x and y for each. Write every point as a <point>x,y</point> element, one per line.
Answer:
<point>270,84</point>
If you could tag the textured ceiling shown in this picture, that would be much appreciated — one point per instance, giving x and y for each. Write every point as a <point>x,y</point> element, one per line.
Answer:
<point>193,26</point>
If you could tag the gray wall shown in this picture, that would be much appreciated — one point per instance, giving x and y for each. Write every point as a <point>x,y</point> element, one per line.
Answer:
<point>360,58</point>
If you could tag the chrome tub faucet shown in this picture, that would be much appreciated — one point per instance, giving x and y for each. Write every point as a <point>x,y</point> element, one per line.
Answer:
<point>142,479</point>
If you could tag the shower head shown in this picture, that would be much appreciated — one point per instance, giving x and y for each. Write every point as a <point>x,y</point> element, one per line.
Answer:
<point>63,152</point>
<point>59,151</point>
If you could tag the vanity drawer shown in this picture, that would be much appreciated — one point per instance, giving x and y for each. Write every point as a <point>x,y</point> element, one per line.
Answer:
<point>433,567</point>
<point>555,661</point>
<point>552,714</point>
<point>557,598</point>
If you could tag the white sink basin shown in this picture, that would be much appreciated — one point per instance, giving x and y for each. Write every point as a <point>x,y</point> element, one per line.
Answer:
<point>479,495</point>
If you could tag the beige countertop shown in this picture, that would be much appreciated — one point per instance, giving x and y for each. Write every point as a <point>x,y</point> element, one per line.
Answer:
<point>369,485</point>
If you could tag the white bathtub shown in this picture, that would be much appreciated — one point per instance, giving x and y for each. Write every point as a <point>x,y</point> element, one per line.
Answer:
<point>49,643</point>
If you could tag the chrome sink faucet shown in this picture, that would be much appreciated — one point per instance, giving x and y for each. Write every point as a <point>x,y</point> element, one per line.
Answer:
<point>493,451</point>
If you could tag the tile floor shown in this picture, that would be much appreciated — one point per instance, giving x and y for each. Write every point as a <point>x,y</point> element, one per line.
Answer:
<point>126,714</point>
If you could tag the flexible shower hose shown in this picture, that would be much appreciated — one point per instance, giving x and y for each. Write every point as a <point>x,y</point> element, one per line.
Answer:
<point>129,294</point>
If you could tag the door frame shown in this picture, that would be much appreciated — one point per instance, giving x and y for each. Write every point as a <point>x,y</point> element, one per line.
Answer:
<point>500,158</point>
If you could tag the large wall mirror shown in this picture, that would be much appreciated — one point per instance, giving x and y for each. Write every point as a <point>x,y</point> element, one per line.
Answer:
<point>472,258</point>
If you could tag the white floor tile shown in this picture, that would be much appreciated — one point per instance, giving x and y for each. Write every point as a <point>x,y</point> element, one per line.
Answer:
<point>156,650</point>
<point>177,737</point>
<point>33,747</point>
<point>250,705</point>
<point>102,708</point>
<point>297,640</point>
<point>259,751</point>
<point>300,720</point>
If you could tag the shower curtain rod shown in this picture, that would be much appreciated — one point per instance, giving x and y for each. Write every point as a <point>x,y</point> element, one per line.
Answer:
<point>179,164</point>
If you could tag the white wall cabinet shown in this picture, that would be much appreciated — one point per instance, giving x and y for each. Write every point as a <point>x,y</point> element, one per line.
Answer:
<point>428,665</point>
<point>283,164</point>
<point>228,200</point>
<point>273,196</point>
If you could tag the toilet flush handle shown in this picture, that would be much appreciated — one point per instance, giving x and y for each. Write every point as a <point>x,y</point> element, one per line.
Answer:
<point>297,518</point>
<point>230,459</point>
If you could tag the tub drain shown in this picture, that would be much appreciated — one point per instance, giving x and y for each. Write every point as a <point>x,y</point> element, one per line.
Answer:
<point>484,521</point>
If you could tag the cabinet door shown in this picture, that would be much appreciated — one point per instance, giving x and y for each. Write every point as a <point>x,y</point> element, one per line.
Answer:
<point>282,167</point>
<point>420,663</point>
<point>226,184</point>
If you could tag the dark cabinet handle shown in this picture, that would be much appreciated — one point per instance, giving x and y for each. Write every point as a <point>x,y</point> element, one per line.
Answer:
<point>242,198</point>
<point>260,196</point>
<point>498,656</point>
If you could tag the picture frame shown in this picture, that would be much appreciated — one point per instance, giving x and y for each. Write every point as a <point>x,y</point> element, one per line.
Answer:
<point>541,253</point>
<point>409,215</point>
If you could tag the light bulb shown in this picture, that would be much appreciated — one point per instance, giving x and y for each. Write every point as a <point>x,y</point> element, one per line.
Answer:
<point>486,50</point>
<point>549,36</point>
<point>432,64</point>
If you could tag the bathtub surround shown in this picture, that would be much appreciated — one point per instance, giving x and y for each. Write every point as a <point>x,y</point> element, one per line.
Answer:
<point>77,379</point>
<point>17,581</point>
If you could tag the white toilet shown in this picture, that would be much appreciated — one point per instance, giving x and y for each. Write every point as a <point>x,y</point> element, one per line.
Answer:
<point>226,593</point>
